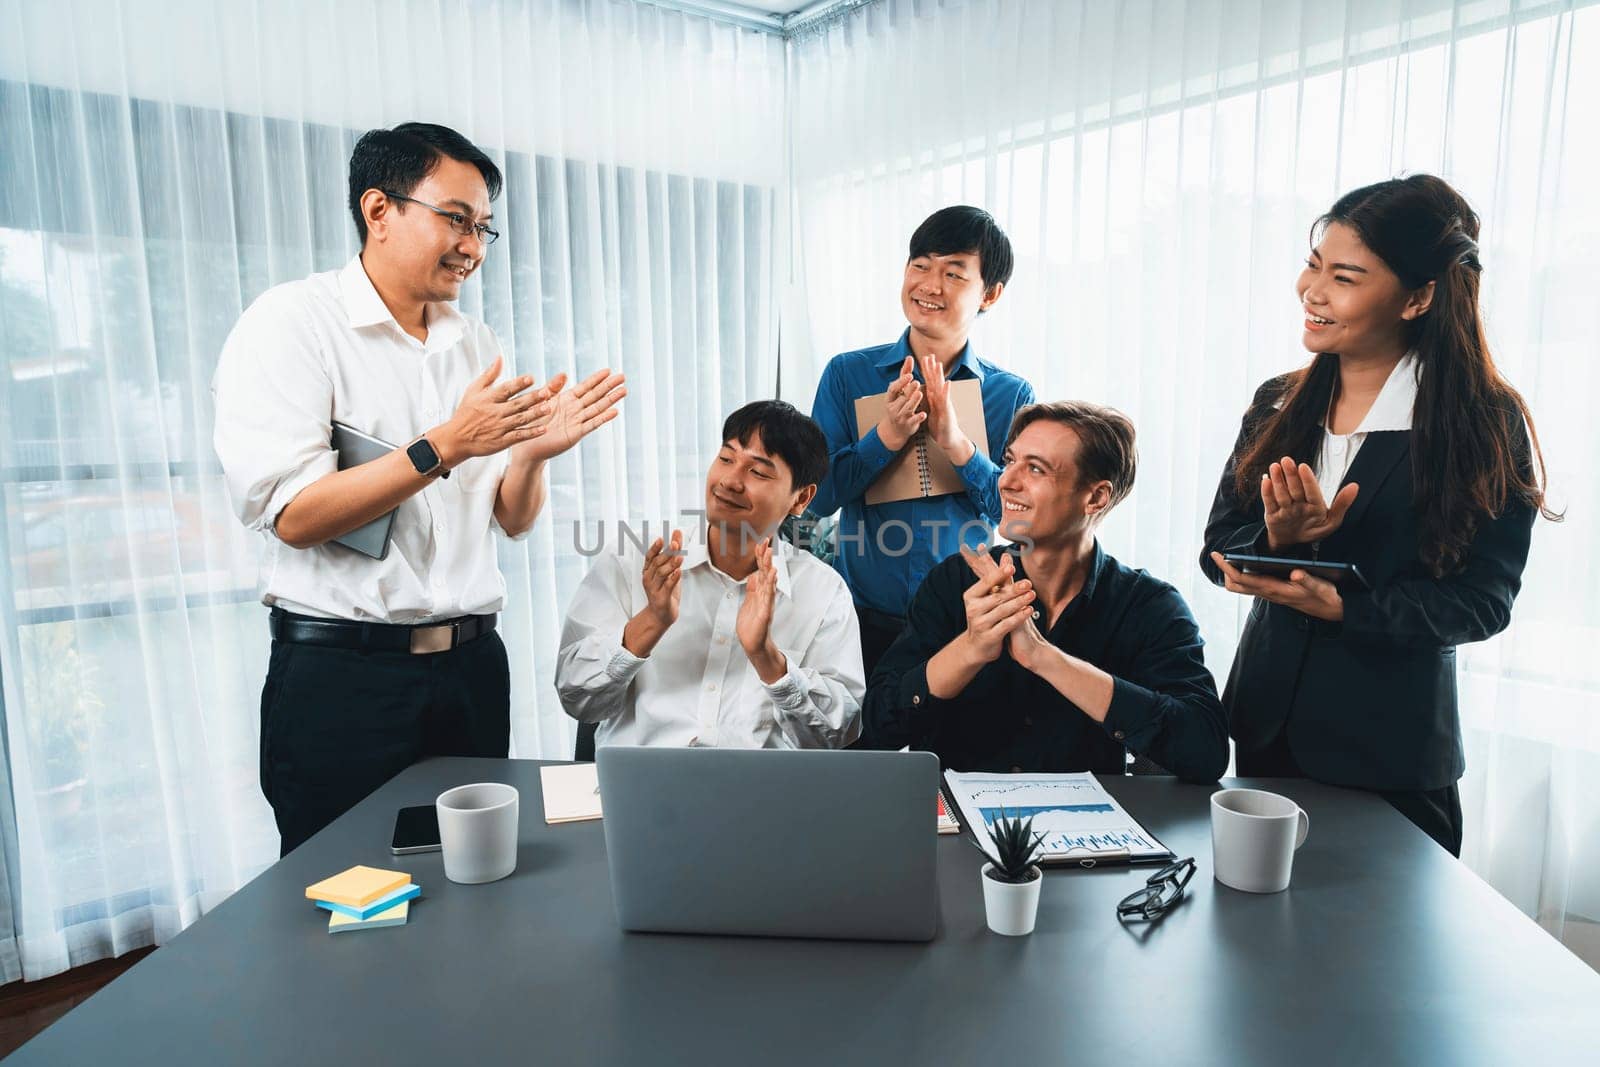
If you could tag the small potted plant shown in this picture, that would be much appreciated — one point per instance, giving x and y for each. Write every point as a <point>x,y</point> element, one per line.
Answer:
<point>1011,880</point>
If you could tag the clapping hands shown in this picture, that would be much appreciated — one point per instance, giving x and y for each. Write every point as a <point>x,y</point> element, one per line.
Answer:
<point>1292,504</point>
<point>903,414</point>
<point>754,624</point>
<point>573,414</point>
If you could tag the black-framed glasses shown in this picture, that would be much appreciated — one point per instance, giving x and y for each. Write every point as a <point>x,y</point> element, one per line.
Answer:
<point>1160,894</point>
<point>458,222</point>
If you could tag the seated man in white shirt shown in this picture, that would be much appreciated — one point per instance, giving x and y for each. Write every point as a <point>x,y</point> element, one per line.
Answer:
<point>736,639</point>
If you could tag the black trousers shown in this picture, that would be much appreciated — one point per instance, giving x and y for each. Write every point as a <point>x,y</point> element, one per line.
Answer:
<point>337,723</point>
<point>1436,812</point>
<point>878,632</point>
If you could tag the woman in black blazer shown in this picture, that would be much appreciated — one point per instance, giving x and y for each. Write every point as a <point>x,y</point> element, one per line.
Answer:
<point>1400,449</point>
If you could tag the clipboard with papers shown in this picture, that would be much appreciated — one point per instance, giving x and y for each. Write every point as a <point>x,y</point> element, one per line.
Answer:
<point>1082,824</point>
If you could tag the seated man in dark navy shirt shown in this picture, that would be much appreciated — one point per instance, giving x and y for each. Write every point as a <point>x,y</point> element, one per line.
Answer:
<point>1049,655</point>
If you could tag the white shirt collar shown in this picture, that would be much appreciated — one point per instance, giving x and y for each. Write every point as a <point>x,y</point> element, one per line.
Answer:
<point>366,308</point>
<point>1392,409</point>
<point>361,300</point>
<point>698,552</point>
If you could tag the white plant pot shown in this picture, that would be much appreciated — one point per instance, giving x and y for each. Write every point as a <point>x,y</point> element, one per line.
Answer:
<point>1011,909</point>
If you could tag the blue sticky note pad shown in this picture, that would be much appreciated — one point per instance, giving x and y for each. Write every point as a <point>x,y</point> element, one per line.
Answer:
<point>381,904</point>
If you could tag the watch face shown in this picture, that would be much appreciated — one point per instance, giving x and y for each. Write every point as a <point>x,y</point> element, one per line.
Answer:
<point>423,457</point>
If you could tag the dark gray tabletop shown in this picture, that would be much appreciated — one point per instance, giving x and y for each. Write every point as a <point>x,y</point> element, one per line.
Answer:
<point>1384,950</point>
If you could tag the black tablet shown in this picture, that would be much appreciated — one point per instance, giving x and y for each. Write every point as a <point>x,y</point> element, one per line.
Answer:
<point>1278,567</point>
<point>355,448</point>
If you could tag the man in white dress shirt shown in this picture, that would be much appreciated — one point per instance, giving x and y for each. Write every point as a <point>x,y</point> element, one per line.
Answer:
<point>735,639</point>
<point>377,663</point>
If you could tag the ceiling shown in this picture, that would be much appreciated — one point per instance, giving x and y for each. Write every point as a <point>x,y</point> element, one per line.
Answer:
<point>773,16</point>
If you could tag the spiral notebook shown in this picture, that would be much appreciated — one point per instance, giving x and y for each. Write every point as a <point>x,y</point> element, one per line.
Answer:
<point>921,469</point>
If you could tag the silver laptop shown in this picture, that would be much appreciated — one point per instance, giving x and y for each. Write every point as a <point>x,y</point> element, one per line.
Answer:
<point>772,843</point>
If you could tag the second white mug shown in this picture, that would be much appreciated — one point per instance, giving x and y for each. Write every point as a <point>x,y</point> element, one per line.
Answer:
<point>478,831</point>
<point>1254,835</point>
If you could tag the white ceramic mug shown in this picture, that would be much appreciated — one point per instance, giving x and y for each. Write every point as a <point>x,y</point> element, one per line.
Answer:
<point>478,831</point>
<point>1254,835</point>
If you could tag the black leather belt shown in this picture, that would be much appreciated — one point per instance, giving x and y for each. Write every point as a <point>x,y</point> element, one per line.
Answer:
<point>439,636</point>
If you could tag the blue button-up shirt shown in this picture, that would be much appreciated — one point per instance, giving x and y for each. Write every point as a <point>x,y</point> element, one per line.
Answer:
<point>882,563</point>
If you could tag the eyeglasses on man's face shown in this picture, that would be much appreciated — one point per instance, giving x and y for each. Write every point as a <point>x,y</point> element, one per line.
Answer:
<point>458,222</point>
<point>1161,892</point>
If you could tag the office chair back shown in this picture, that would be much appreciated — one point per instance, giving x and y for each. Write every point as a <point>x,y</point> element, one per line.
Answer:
<point>583,748</point>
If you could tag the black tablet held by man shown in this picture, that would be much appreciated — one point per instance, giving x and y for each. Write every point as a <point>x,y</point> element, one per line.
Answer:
<point>356,448</point>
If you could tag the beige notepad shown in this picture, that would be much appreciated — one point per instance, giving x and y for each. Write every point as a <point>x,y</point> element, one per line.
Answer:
<point>571,792</point>
<point>921,469</point>
<point>339,923</point>
<point>358,886</point>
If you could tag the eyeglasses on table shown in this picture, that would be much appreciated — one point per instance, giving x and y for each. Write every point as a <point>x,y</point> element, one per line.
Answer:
<point>1160,894</point>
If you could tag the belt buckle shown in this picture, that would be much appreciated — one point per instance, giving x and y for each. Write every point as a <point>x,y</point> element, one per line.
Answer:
<point>428,639</point>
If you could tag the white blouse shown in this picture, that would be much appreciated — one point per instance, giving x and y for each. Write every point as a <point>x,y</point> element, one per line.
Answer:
<point>1389,412</point>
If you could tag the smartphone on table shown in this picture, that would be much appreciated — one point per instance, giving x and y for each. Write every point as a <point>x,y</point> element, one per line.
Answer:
<point>416,830</point>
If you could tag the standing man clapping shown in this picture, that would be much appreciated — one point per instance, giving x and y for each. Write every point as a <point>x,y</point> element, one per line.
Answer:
<point>958,264</point>
<point>379,662</point>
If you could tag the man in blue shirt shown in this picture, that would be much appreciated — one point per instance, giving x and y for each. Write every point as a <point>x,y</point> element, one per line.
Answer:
<point>959,263</point>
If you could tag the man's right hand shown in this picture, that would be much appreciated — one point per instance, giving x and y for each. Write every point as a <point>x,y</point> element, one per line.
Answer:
<point>492,417</point>
<point>903,415</point>
<point>1025,643</point>
<point>663,578</point>
<point>996,605</point>
<point>663,591</point>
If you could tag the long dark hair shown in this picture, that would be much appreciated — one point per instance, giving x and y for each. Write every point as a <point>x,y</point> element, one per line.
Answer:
<point>1470,430</point>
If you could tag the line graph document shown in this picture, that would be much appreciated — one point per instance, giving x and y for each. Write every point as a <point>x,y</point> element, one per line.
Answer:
<point>1080,821</point>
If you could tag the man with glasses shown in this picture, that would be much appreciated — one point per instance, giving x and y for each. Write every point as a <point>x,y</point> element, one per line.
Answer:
<point>384,657</point>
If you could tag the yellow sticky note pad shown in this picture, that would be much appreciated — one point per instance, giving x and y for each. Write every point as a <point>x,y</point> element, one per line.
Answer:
<point>395,916</point>
<point>358,886</point>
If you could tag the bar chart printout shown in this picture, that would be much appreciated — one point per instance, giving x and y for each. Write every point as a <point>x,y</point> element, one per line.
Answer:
<point>1080,821</point>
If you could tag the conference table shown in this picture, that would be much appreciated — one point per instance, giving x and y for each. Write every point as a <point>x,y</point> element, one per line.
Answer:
<point>1384,950</point>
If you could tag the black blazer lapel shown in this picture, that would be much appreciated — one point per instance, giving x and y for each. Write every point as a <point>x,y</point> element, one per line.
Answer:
<point>1380,454</point>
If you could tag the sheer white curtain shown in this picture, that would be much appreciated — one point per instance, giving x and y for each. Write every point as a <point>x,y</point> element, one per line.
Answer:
<point>1158,165</point>
<point>161,165</point>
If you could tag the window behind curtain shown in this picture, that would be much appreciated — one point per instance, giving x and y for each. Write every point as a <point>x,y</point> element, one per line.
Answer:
<point>132,234</point>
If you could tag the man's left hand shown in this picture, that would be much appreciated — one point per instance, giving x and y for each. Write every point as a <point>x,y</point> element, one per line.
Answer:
<point>754,624</point>
<point>1302,591</point>
<point>570,415</point>
<point>1029,648</point>
<point>942,425</point>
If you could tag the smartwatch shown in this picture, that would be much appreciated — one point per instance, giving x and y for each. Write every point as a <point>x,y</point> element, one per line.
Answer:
<point>424,458</point>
